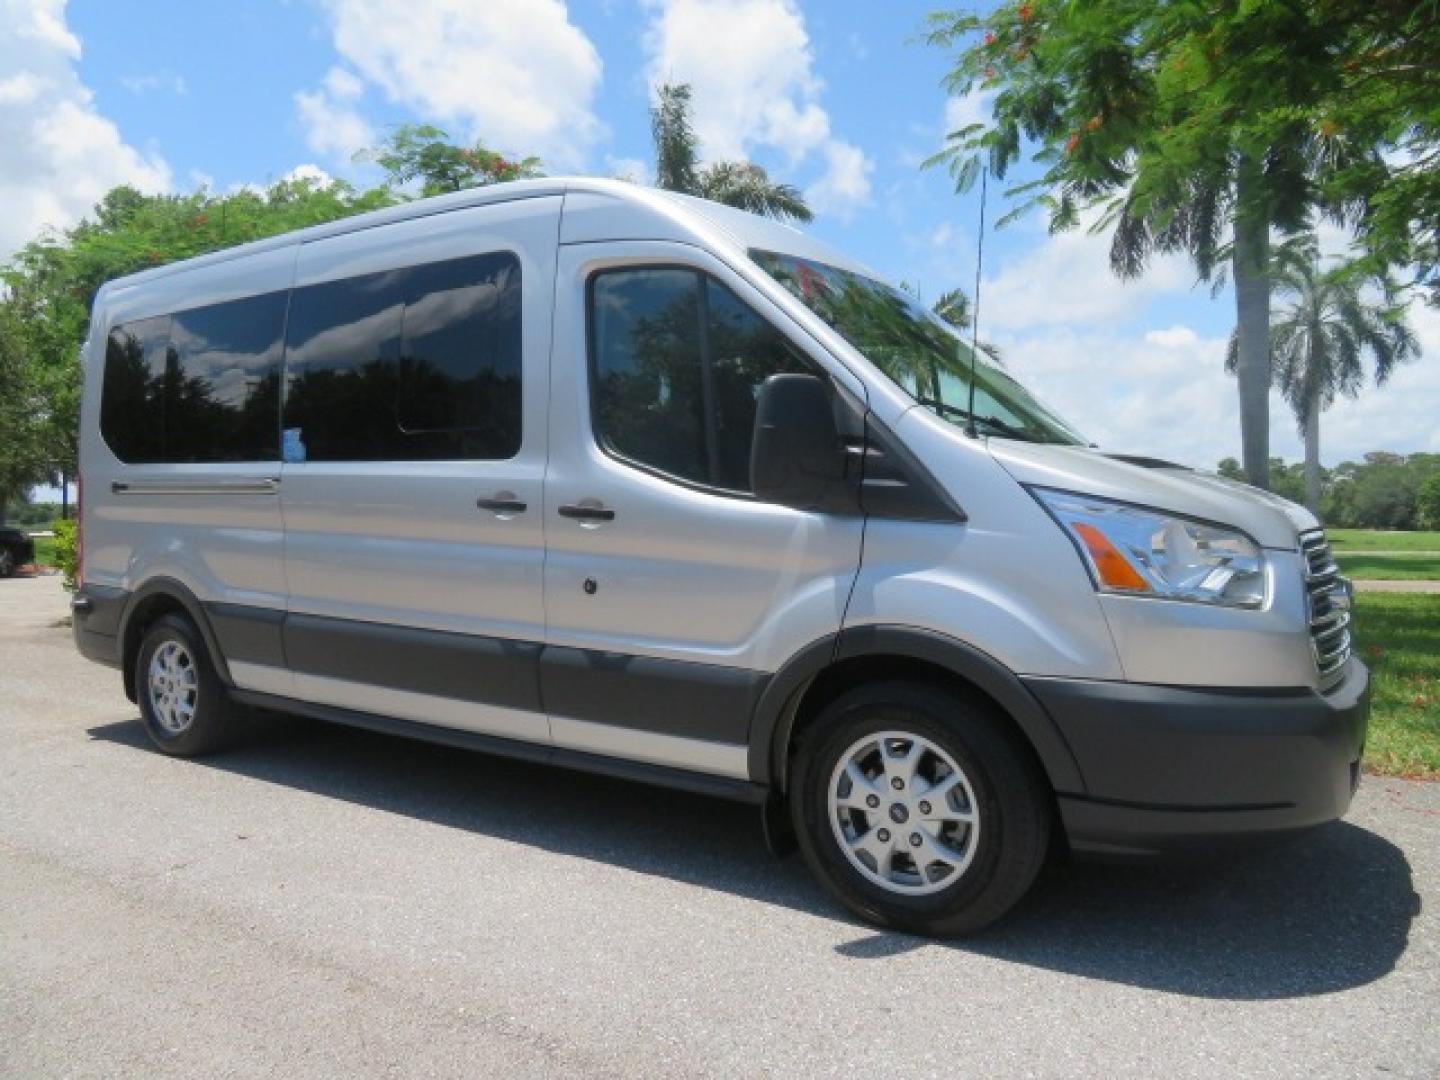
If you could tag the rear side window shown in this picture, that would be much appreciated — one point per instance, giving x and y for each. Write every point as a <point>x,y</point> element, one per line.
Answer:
<point>223,390</point>
<point>677,365</point>
<point>421,364</point>
<point>132,402</point>
<point>199,386</point>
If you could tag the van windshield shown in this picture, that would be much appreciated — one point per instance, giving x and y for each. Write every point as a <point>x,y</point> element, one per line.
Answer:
<point>921,352</point>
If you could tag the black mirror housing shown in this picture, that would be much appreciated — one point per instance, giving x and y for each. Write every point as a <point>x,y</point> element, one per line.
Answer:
<point>796,456</point>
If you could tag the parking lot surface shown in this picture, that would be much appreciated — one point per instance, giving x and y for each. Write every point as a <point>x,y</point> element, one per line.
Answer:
<point>326,902</point>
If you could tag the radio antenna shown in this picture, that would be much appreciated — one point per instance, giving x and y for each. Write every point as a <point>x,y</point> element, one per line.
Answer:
<point>970,428</point>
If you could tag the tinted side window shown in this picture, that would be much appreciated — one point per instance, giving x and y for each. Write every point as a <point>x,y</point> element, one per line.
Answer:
<point>132,401</point>
<point>745,350</point>
<point>222,398</point>
<point>648,399</point>
<point>342,367</point>
<point>420,364</point>
<point>460,359</point>
<point>679,361</point>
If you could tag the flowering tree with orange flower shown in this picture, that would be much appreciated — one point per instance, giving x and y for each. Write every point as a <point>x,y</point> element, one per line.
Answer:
<point>425,153</point>
<point>1208,129</point>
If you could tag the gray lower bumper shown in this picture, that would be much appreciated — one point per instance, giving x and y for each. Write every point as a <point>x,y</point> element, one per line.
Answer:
<point>1170,767</point>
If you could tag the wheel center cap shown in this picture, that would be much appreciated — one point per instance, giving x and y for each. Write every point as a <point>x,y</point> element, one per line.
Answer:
<point>898,814</point>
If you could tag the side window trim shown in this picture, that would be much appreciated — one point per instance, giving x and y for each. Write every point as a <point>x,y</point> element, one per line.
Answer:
<point>708,410</point>
<point>705,279</point>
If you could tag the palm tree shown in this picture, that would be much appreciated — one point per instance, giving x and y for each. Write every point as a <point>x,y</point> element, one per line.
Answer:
<point>735,183</point>
<point>1318,342</point>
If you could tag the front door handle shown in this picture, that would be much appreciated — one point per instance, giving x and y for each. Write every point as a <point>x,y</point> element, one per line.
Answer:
<point>586,513</point>
<point>501,505</point>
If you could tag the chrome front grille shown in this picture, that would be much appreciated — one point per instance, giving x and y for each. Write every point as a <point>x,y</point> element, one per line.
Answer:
<point>1329,606</point>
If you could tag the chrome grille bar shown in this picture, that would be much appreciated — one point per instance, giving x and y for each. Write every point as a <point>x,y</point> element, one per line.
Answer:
<point>1329,607</point>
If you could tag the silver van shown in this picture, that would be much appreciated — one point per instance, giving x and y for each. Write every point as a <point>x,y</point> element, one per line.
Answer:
<point>583,472</point>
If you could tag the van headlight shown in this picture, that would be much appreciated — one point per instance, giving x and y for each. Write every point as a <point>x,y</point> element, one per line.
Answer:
<point>1142,552</point>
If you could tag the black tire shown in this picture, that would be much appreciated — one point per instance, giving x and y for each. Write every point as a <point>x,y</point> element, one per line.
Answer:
<point>215,717</point>
<point>1011,796</point>
<point>7,563</point>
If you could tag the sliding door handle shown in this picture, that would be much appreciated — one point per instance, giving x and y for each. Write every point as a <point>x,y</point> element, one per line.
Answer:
<point>586,513</point>
<point>501,505</point>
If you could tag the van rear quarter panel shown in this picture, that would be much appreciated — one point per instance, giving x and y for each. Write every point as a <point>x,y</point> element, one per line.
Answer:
<point>224,546</point>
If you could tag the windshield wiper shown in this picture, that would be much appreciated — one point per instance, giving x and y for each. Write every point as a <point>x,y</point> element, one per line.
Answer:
<point>944,409</point>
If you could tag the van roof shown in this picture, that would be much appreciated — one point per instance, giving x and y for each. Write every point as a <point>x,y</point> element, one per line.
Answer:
<point>690,218</point>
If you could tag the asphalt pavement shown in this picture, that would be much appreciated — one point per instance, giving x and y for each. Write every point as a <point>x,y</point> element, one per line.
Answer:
<point>326,902</point>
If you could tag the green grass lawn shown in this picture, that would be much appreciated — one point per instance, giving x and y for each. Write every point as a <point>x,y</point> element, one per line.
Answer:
<point>1397,567</point>
<point>1342,540</point>
<point>1399,638</point>
<point>45,550</point>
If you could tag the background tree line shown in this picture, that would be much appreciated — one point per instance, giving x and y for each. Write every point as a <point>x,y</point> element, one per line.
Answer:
<point>1381,491</point>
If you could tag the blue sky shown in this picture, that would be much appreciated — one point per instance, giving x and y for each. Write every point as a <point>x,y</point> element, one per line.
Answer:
<point>837,97</point>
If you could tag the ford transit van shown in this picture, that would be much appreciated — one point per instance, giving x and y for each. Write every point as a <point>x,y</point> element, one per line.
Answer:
<point>584,472</point>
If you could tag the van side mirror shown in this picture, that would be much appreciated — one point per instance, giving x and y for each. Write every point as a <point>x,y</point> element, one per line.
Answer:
<point>795,454</point>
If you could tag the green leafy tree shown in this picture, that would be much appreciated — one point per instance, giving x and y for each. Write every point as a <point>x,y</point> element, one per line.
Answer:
<point>424,153</point>
<point>1427,501</point>
<point>67,550</point>
<point>23,450</point>
<point>1318,343</point>
<point>1190,128</point>
<point>1230,469</point>
<point>735,183</point>
<point>1386,91</point>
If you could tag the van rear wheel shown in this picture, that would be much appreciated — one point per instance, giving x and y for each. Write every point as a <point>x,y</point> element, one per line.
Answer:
<point>183,705</point>
<point>920,809</point>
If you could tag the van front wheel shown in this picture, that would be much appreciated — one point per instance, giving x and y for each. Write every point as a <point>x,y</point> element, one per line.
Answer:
<point>920,809</point>
<point>183,705</point>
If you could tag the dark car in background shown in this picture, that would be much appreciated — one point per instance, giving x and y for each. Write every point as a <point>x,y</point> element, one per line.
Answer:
<point>16,550</point>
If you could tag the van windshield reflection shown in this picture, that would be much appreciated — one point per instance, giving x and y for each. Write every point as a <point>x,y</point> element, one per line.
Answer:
<point>918,351</point>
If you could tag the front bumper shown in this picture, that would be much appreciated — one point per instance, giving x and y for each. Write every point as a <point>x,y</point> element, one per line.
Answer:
<point>1170,767</point>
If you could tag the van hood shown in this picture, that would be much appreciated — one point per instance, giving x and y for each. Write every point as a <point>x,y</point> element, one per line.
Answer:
<point>1272,521</point>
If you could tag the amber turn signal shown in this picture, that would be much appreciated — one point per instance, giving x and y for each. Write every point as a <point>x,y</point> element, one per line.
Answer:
<point>1114,569</point>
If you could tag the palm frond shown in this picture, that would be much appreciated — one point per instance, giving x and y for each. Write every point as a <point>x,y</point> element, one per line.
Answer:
<point>1321,336</point>
<point>747,186</point>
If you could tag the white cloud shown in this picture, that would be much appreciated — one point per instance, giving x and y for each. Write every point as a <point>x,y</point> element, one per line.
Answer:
<point>962,112</point>
<point>751,66</point>
<point>1131,393</point>
<point>1164,391</point>
<point>333,124</point>
<point>1399,416</point>
<point>1175,337</point>
<point>20,89</point>
<point>845,185</point>
<point>309,172</point>
<point>1068,280</point>
<point>58,154</point>
<point>632,169</point>
<point>515,73</point>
